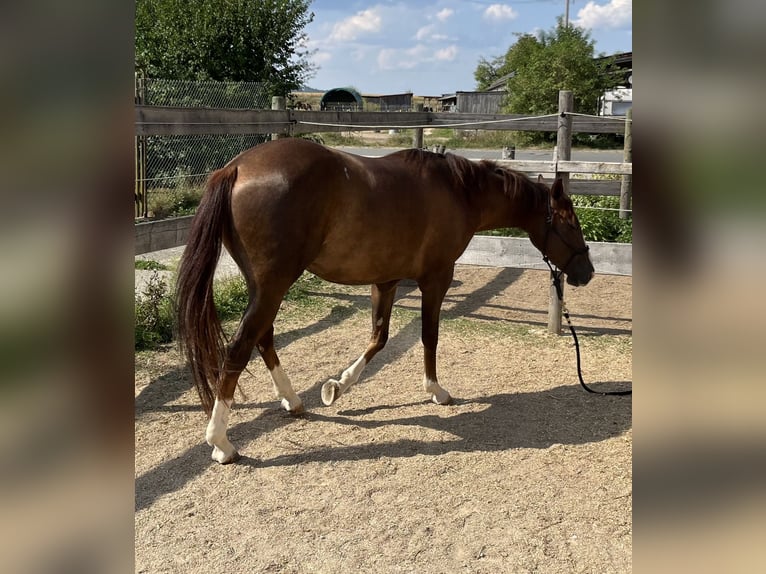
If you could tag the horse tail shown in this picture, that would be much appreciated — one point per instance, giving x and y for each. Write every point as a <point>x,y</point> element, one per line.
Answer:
<point>200,334</point>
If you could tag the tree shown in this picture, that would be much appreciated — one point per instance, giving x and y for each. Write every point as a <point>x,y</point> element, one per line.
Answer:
<point>560,59</point>
<point>238,40</point>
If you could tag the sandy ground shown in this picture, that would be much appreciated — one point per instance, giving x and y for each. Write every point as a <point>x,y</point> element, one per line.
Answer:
<point>524,473</point>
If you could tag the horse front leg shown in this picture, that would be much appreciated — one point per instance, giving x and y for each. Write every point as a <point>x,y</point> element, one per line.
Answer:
<point>434,289</point>
<point>382,302</point>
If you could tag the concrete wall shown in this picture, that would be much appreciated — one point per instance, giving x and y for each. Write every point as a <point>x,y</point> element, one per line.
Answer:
<point>608,258</point>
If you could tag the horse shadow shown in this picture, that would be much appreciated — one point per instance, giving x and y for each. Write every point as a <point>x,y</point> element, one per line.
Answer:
<point>560,415</point>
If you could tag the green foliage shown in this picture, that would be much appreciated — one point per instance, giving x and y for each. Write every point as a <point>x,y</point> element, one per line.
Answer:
<point>154,307</point>
<point>559,59</point>
<point>231,298</point>
<point>487,71</point>
<point>239,40</point>
<point>153,315</point>
<point>300,292</point>
<point>174,201</point>
<point>150,265</point>
<point>600,224</point>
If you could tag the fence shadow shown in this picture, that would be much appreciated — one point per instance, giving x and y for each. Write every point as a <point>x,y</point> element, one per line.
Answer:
<point>561,415</point>
<point>564,415</point>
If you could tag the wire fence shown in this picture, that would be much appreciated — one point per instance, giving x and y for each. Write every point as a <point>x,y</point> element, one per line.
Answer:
<point>171,170</point>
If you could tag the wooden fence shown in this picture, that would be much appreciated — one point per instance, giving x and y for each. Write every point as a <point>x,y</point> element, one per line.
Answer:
<point>611,258</point>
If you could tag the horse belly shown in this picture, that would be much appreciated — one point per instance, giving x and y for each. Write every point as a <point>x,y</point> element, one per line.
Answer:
<point>358,266</point>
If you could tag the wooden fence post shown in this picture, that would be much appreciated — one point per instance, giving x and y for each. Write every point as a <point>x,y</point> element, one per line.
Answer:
<point>563,153</point>
<point>278,103</point>
<point>141,200</point>
<point>417,136</point>
<point>626,186</point>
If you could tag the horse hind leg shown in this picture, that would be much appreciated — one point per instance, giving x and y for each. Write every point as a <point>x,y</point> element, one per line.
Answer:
<point>256,325</point>
<point>382,303</point>
<point>282,386</point>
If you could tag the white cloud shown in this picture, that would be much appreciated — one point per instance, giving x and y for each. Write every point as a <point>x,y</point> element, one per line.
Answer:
<point>408,58</point>
<point>427,33</point>
<point>322,57</point>
<point>613,14</point>
<point>364,22</point>
<point>442,15</point>
<point>500,12</point>
<point>447,54</point>
<point>424,32</point>
<point>402,59</point>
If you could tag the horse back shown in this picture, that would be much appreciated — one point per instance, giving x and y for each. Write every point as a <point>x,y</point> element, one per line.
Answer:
<point>347,218</point>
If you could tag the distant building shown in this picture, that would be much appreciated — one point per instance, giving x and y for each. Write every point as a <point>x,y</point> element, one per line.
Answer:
<point>388,102</point>
<point>618,101</point>
<point>472,102</point>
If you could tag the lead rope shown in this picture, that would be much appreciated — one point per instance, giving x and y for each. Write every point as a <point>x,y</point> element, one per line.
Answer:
<point>559,293</point>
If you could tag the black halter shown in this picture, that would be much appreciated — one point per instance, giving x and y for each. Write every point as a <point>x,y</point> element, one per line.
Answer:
<point>575,250</point>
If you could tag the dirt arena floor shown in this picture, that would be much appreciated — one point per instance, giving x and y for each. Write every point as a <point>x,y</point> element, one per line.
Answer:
<point>525,472</point>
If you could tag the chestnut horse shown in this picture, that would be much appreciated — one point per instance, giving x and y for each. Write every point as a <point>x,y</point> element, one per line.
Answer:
<point>292,205</point>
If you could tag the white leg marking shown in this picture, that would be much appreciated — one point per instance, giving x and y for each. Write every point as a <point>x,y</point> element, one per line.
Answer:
<point>351,375</point>
<point>332,389</point>
<point>215,435</point>
<point>438,395</point>
<point>284,390</point>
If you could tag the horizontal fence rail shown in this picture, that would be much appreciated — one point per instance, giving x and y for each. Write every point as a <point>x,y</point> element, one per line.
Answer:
<point>164,120</point>
<point>161,129</point>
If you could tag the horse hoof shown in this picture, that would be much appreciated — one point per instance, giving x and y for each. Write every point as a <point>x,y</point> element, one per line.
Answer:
<point>443,398</point>
<point>223,458</point>
<point>330,392</point>
<point>294,410</point>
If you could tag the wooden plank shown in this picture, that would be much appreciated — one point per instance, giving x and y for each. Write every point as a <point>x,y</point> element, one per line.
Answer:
<point>594,187</point>
<point>159,120</point>
<point>595,167</point>
<point>529,165</point>
<point>335,121</point>
<point>542,166</point>
<point>164,120</point>
<point>518,252</point>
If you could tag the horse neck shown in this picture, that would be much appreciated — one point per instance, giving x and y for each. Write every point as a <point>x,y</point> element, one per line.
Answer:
<point>519,206</point>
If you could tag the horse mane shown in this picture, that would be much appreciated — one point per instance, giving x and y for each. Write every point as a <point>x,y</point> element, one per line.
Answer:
<point>471,175</point>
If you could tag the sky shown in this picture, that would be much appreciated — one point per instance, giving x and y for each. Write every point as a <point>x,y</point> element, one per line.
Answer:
<point>432,47</point>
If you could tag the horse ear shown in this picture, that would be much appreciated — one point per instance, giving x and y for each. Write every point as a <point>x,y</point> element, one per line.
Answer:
<point>557,189</point>
<point>539,178</point>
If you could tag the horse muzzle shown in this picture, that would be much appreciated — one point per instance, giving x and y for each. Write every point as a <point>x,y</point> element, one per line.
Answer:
<point>579,280</point>
<point>580,271</point>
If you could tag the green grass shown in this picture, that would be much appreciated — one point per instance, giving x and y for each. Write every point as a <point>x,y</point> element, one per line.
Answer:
<point>174,201</point>
<point>154,318</point>
<point>154,314</point>
<point>150,265</point>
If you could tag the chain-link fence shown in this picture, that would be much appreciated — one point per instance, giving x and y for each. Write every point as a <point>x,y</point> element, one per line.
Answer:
<point>171,170</point>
